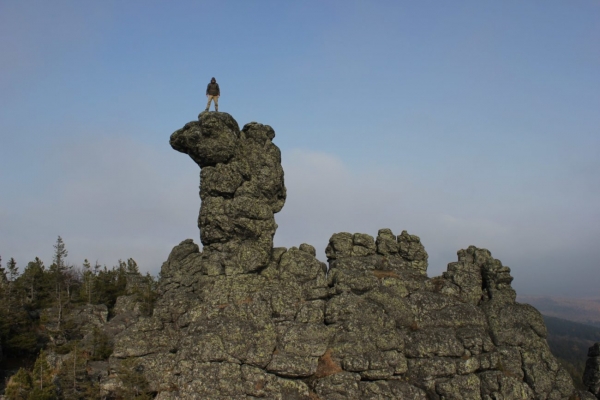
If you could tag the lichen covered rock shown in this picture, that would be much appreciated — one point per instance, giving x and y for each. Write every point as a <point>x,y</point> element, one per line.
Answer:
<point>239,319</point>
<point>241,188</point>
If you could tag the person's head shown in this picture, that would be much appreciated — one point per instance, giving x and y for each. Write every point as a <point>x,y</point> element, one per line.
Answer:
<point>213,80</point>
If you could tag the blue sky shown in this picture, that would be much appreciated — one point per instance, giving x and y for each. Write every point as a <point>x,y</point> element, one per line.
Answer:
<point>463,122</point>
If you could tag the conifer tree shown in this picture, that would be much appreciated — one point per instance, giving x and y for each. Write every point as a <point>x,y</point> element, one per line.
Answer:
<point>60,253</point>
<point>147,294</point>
<point>88,281</point>
<point>58,269</point>
<point>3,277</point>
<point>73,375</point>
<point>102,346</point>
<point>13,273</point>
<point>132,266</point>
<point>19,386</point>
<point>16,333</point>
<point>34,283</point>
<point>42,372</point>
<point>43,375</point>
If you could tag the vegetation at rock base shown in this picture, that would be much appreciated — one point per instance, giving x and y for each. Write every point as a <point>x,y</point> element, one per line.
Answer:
<point>34,385</point>
<point>135,385</point>
<point>52,323</point>
<point>19,385</point>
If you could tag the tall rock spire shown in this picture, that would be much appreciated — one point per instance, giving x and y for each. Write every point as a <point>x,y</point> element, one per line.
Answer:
<point>241,188</point>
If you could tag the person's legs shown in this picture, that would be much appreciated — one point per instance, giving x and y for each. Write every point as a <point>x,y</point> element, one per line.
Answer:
<point>216,99</point>
<point>208,104</point>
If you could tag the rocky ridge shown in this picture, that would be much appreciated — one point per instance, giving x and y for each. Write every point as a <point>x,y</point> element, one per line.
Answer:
<point>240,319</point>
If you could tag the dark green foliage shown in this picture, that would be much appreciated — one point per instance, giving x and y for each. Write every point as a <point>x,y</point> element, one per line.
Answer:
<point>22,341</point>
<point>147,294</point>
<point>70,330</point>
<point>73,377</point>
<point>19,385</point>
<point>43,388</point>
<point>569,342</point>
<point>39,303</point>
<point>65,348</point>
<point>87,284</point>
<point>13,271</point>
<point>135,386</point>
<point>102,347</point>
<point>3,277</point>
<point>110,284</point>
<point>35,286</point>
<point>47,393</point>
<point>17,328</point>
<point>132,267</point>
<point>27,386</point>
<point>60,253</point>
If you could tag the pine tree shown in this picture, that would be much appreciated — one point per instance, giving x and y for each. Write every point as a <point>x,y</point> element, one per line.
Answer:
<point>34,282</point>
<point>73,375</point>
<point>19,386</point>
<point>42,375</point>
<point>71,279</point>
<point>17,332</point>
<point>57,270</point>
<point>110,284</point>
<point>147,294</point>
<point>13,273</point>
<point>3,277</point>
<point>88,281</point>
<point>37,386</point>
<point>60,253</point>
<point>102,346</point>
<point>132,267</point>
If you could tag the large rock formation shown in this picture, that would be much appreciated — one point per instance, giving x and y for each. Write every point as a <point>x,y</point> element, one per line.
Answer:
<point>243,320</point>
<point>241,188</point>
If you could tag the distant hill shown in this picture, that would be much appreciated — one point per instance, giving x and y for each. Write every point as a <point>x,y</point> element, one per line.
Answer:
<point>569,342</point>
<point>585,311</point>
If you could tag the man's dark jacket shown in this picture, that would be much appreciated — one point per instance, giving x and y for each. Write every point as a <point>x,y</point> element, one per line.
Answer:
<point>213,89</point>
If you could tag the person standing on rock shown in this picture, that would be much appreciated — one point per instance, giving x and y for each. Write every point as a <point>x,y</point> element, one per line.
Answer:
<point>213,92</point>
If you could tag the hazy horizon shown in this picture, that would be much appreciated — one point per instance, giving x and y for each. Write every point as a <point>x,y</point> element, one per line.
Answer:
<point>465,123</point>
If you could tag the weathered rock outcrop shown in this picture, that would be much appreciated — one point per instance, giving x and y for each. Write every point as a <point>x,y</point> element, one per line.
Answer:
<point>241,187</point>
<point>591,376</point>
<point>243,320</point>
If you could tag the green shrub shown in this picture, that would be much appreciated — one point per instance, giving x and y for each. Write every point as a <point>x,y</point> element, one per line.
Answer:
<point>19,385</point>
<point>102,345</point>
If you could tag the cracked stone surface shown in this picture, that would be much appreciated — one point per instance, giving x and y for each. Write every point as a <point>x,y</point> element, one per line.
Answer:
<point>239,319</point>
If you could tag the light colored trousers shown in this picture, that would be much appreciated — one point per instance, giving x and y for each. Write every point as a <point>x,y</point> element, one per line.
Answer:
<point>215,99</point>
